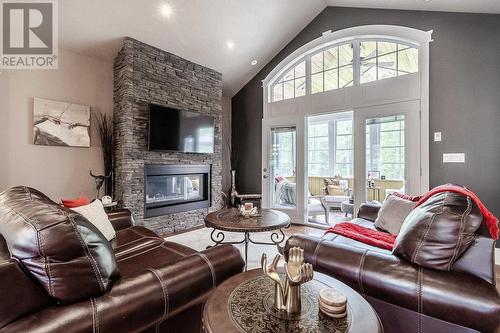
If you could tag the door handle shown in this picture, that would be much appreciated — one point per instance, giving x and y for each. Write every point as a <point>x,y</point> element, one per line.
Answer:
<point>264,176</point>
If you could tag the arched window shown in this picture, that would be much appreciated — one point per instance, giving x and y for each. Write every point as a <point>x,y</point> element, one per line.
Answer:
<point>340,65</point>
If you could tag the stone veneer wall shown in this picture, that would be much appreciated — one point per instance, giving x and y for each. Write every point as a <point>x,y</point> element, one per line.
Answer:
<point>144,74</point>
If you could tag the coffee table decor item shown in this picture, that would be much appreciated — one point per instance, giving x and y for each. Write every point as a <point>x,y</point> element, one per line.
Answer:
<point>248,210</point>
<point>333,303</point>
<point>287,294</point>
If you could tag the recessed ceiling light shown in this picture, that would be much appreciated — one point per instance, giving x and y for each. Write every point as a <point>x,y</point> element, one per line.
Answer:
<point>254,62</point>
<point>166,10</point>
<point>230,45</point>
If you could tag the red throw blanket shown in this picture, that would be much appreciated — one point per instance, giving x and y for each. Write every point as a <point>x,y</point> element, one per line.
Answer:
<point>365,235</point>
<point>386,241</point>
<point>489,218</point>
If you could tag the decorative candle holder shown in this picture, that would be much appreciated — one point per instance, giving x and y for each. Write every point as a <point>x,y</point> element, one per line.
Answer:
<point>248,212</point>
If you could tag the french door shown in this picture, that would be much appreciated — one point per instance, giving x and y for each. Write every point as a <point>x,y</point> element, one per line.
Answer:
<point>386,151</point>
<point>283,149</point>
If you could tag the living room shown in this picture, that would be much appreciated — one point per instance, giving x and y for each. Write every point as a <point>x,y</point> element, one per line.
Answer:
<point>249,166</point>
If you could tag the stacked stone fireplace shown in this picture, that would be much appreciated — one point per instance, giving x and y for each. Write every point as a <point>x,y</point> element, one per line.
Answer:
<point>145,75</point>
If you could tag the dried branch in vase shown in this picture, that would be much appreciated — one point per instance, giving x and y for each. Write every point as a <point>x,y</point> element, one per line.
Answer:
<point>104,126</point>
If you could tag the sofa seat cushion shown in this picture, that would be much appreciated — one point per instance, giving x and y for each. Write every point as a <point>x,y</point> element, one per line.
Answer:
<point>138,249</point>
<point>131,237</point>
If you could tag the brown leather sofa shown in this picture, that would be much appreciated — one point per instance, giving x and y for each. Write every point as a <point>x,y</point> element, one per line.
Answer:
<point>408,297</point>
<point>155,286</point>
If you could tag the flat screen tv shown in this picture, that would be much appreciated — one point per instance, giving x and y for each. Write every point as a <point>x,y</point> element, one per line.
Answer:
<point>176,130</point>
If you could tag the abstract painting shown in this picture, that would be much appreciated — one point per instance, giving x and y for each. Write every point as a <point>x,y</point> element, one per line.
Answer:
<point>60,123</point>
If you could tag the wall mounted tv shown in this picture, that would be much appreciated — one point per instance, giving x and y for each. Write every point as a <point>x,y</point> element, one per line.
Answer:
<point>176,130</point>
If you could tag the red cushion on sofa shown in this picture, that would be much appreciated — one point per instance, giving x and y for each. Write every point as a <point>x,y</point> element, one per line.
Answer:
<point>77,202</point>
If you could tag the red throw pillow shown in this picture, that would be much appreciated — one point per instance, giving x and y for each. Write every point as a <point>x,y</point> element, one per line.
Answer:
<point>77,202</point>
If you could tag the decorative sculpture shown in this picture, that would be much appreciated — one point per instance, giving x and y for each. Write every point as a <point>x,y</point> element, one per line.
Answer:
<point>99,180</point>
<point>287,295</point>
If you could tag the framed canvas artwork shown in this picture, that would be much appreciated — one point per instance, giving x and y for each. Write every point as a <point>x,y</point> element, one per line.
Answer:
<point>60,123</point>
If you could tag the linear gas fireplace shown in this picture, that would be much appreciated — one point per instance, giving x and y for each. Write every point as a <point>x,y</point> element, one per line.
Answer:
<point>176,188</point>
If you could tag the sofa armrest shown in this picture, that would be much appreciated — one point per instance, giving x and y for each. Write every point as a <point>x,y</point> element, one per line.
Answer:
<point>121,218</point>
<point>21,294</point>
<point>369,211</point>
<point>136,303</point>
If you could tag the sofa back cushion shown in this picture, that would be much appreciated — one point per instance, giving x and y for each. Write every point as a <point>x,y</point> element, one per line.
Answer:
<point>60,248</point>
<point>436,233</point>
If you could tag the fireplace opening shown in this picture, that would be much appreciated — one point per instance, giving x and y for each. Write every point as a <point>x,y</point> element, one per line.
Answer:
<point>176,188</point>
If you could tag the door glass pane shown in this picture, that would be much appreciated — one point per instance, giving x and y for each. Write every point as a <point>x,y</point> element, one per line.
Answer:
<point>385,157</point>
<point>282,167</point>
<point>330,167</point>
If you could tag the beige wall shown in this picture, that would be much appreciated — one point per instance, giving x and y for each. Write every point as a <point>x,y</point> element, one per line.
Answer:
<point>56,171</point>
<point>3,131</point>
<point>226,143</point>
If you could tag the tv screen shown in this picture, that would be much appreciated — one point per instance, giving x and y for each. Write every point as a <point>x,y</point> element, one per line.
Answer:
<point>175,130</point>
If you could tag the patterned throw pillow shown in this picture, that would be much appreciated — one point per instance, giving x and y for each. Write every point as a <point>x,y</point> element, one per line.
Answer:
<point>330,182</point>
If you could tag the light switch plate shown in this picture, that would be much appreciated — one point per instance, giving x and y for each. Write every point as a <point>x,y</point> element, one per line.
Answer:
<point>454,158</point>
<point>437,136</point>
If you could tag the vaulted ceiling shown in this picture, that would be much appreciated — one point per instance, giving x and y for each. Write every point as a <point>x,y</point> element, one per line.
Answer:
<point>200,30</point>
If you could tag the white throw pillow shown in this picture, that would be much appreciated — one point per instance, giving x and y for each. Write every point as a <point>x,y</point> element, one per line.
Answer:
<point>393,213</point>
<point>94,212</point>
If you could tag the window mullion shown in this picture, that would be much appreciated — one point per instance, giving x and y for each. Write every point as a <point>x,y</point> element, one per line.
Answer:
<point>356,62</point>
<point>308,75</point>
<point>332,142</point>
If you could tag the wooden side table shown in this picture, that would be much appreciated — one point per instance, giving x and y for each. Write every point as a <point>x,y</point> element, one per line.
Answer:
<point>244,303</point>
<point>232,221</point>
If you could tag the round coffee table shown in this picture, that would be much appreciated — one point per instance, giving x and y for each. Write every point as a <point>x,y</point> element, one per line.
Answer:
<point>232,221</point>
<point>244,303</point>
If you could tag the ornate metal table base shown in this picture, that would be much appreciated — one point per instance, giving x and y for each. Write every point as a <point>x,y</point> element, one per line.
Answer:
<point>277,237</point>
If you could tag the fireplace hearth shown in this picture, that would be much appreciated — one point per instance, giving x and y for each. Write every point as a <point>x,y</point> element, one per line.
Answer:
<point>172,189</point>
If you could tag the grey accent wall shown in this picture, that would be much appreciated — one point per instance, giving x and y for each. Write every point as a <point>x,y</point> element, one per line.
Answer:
<point>464,95</point>
<point>142,75</point>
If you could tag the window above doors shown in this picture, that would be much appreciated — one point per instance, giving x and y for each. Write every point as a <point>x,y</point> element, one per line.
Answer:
<point>342,65</point>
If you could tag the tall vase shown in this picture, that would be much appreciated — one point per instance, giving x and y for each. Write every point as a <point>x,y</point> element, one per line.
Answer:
<point>234,193</point>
